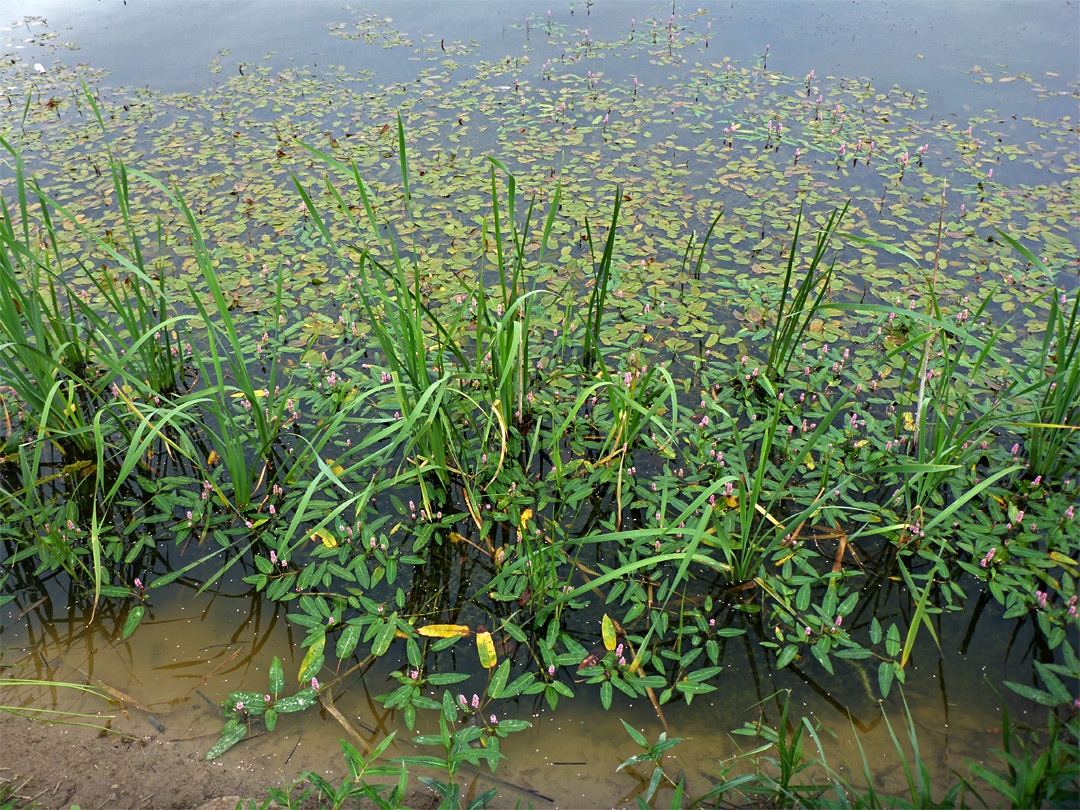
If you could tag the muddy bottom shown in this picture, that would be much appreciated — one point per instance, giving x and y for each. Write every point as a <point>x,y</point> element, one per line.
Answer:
<point>56,766</point>
<point>159,694</point>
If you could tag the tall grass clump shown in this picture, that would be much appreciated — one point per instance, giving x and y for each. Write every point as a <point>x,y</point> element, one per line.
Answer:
<point>1051,382</point>
<point>793,317</point>
<point>46,356</point>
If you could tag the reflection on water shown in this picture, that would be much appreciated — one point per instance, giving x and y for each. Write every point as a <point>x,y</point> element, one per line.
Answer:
<point>168,680</point>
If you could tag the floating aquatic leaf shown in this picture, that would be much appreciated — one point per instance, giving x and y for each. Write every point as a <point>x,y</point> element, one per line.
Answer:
<point>608,632</point>
<point>312,661</point>
<point>486,649</point>
<point>444,630</point>
<point>135,615</point>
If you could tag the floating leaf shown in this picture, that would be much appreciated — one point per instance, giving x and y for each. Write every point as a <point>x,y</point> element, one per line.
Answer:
<point>303,699</point>
<point>328,539</point>
<point>444,630</point>
<point>346,642</point>
<point>498,680</point>
<point>486,648</point>
<point>607,628</point>
<point>133,618</point>
<point>312,659</point>
<point>277,676</point>
<point>232,733</point>
<point>384,637</point>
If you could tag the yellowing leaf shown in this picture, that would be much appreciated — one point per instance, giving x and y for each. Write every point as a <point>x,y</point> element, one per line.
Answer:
<point>313,654</point>
<point>528,513</point>
<point>607,629</point>
<point>486,647</point>
<point>733,500</point>
<point>909,421</point>
<point>328,539</point>
<point>444,630</point>
<point>337,468</point>
<point>213,458</point>
<point>1061,559</point>
<point>260,392</point>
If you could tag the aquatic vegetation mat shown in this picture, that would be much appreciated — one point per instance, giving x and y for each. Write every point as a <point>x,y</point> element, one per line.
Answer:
<point>545,382</point>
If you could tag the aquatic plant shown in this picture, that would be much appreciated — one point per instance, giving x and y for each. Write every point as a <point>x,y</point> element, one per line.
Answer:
<point>537,393</point>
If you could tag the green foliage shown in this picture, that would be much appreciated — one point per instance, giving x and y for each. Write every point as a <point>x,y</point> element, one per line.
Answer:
<point>243,707</point>
<point>514,381</point>
<point>653,753</point>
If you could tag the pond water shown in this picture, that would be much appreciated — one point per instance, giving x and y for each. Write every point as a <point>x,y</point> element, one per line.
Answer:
<point>190,652</point>
<point>910,110</point>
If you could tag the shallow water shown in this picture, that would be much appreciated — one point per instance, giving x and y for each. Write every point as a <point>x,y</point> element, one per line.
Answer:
<point>190,652</point>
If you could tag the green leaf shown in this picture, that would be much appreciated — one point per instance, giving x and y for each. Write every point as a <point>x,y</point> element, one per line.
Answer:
<point>498,680</point>
<point>346,642</point>
<point>384,637</point>
<point>654,783</point>
<point>636,735</point>
<point>277,676</point>
<point>885,677</point>
<point>1031,693</point>
<point>802,598</point>
<point>271,719</point>
<point>822,657</point>
<point>446,678</point>
<point>892,640</point>
<point>513,725</point>
<point>787,656</point>
<point>134,616</point>
<point>303,699</point>
<point>519,684</point>
<point>232,733</point>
